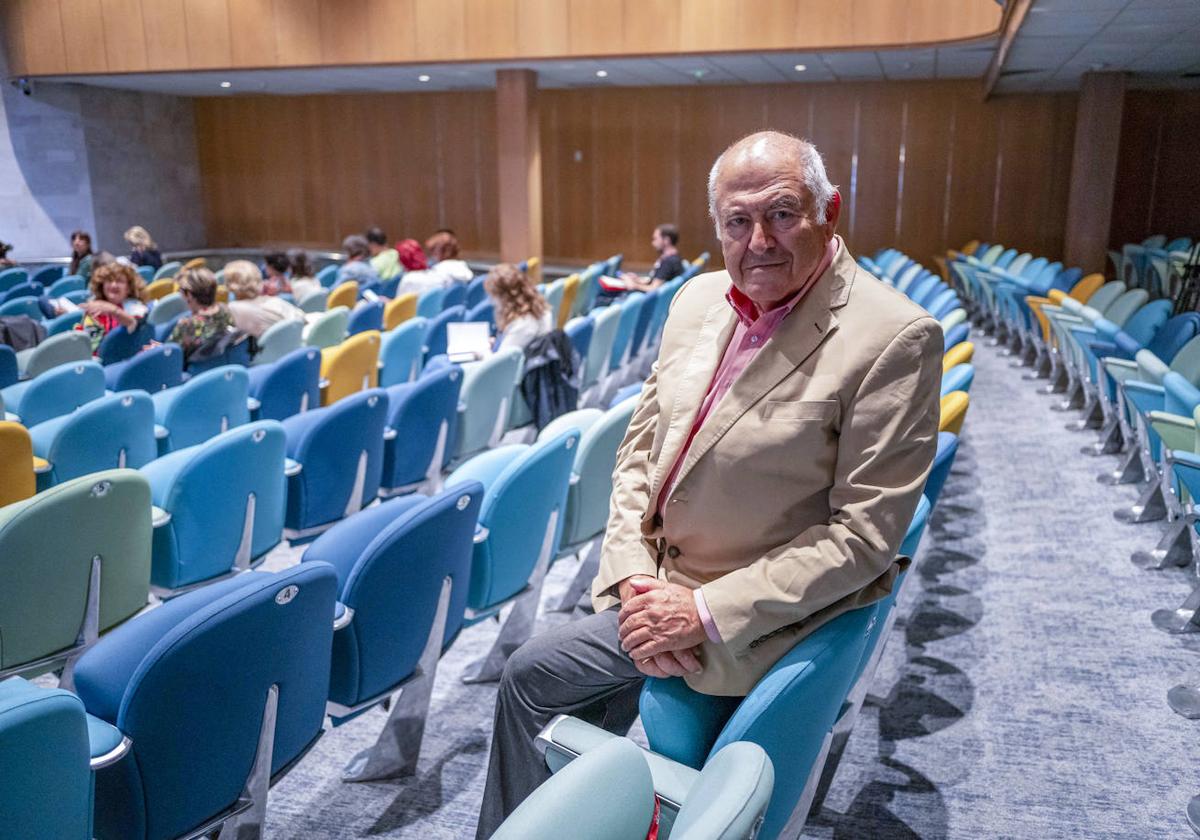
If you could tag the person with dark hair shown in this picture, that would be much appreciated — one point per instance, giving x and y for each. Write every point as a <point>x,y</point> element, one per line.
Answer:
<point>208,318</point>
<point>5,262</point>
<point>276,281</point>
<point>304,281</point>
<point>384,260</point>
<point>81,255</point>
<point>665,242</point>
<point>358,264</point>
<point>442,249</point>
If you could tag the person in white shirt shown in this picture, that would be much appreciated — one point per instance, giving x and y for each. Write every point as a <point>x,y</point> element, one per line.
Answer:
<point>521,313</point>
<point>253,312</point>
<point>442,249</point>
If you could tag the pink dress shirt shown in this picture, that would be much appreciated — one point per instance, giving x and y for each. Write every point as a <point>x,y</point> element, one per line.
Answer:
<point>753,330</point>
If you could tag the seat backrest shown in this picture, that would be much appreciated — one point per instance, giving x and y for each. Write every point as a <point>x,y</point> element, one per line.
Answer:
<point>391,561</point>
<point>1146,322</point>
<point>953,410</point>
<point>279,339</point>
<point>958,378</point>
<point>9,370</point>
<point>418,411</point>
<point>570,293</point>
<point>289,386</point>
<point>1105,295</point>
<point>429,302</point>
<point>922,289</point>
<point>160,288</point>
<point>1122,309</point>
<point>579,331</point>
<point>10,277</point>
<point>485,388</point>
<point>1175,333</point>
<point>44,754</point>
<point>116,430</point>
<point>957,335</point>
<point>594,466</point>
<point>476,293</point>
<point>120,344</point>
<point>32,289</point>
<point>329,329</point>
<point>641,327</point>
<point>401,352</point>
<point>455,295</point>
<point>187,688</point>
<point>906,276</point>
<point>631,307</point>
<point>554,297</point>
<point>729,798</point>
<point>605,322</point>
<point>484,310</point>
<point>327,275</point>
<point>16,463</point>
<point>351,366</point>
<point>206,405</point>
<point>70,283</point>
<point>63,323</point>
<point>58,350</point>
<point>435,332</point>
<point>400,309</point>
<point>168,269</point>
<point>151,370</point>
<point>60,391</point>
<point>343,294</point>
<point>47,544</point>
<point>1005,258</point>
<point>368,316</point>
<point>1187,361</point>
<point>943,460</point>
<point>315,301</point>
<point>1030,266</point>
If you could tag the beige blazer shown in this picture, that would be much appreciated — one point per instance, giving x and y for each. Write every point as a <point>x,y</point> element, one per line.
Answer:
<point>797,491</point>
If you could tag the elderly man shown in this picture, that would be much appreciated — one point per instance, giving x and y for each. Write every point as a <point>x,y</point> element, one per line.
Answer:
<point>768,475</point>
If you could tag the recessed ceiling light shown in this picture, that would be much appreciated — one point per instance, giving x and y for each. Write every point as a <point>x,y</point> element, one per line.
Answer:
<point>423,78</point>
<point>602,74</point>
<point>226,84</point>
<point>800,68</point>
<point>699,73</point>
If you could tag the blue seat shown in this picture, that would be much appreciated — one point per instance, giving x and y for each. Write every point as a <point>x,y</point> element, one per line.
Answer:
<point>27,306</point>
<point>402,352</point>
<point>641,337</point>
<point>338,453</point>
<point>224,501</point>
<point>484,402</point>
<point>64,323</point>
<point>9,371</point>
<point>237,354</point>
<point>56,392</point>
<point>579,331</point>
<point>202,407</point>
<point>48,274</point>
<point>429,304</point>
<point>120,344</point>
<point>146,272</point>
<point>957,335</point>
<point>163,331</point>
<point>485,310</point>
<point>327,276</point>
<point>155,369</point>
<point>631,390</point>
<point>422,424</point>
<point>289,386</point>
<point>943,460</point>
<point>476,293</point>
<point>521,522</point>
<point>456,295</point>
<point>70,283</point>
<point>958,378</point>
<point>167,308</point>
<point>14,276</point>
<point>113,431</point>
<point>24,290</point>
<point>435,331</point>
<point>364,317</point>
<point>945,302</point>
<point>170,678</point>
<point>61,349</point>
<point>403,571</point>
<point>631,307</point>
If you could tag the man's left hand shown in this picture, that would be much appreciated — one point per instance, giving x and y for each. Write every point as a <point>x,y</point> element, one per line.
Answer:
<point>660,619</point>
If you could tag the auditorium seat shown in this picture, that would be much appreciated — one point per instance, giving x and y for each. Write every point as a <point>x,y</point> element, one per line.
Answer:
<point>63,586</point>
<point>570,290</point>
<point>943,460</point>
<point>203,407</point>
<point>10,277</point>
<point>146,272</point>
<point>366,316</point>
<point>166,309</point>
<point>956,335</point>
<point>456,295</point>
<point>553,293</point>
<point>429,303</point>
<point>422,424</point>
<point>485,310</point>
<point>327,276</point>
<point>116,430</point>
<point>519,527</point>
<point>337,455</point>
<point>402,351</point>
<point>288,386</point>
<point>56,350</point>
<point>22,294</point>
<point>631,390</point>
<point>56,392</point>
<point>349,367</point>
<point>9,370</point>
<point>596,367</point>
<point>168,269</point>
<point>63,323</point>
<point>484,402</point>
<point>120,344</point>
<point>315,301</point>
<point>959,354</point>
<point>17,463</point>
<point>69,283</point>
<point>958,378</point>
<point>476,293</point>
<point>159,289</point>
<point>327,329</point>
<point>953,412</point>
<point>579,332</point>
<point>435,330</point>
<point>631,307</point>
<point>154,369</point>
<point>399,309</point>
<point>223,502</point>
<point>220,691</point>
<point>404,568</point>
<point>278,340</point>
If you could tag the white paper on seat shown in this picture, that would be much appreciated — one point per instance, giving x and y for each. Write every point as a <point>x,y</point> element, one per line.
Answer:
<point>614,284</point>
<point>468,340</point>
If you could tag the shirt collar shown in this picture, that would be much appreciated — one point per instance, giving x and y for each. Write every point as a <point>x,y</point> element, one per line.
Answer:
<point>747,310</point>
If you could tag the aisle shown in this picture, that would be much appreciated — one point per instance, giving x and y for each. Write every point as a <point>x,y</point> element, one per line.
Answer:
<point>1025,694</point>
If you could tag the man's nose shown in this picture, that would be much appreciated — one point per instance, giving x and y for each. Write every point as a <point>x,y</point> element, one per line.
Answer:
<point>760,240</point>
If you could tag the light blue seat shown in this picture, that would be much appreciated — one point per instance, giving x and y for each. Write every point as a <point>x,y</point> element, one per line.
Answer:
<point>476,293</point>
<point>327,276</point>
<point>631,390</point>
<point>943,460</point>
<point>328,329</point>
<point>9,370</point>
<point>236,352</point>
<point>422,424</point>
<point>314,301</point>
<point>70,283</point>
<point>605,322</point>
<point>485,310</point>
<point>224,501</point>
<point>579,331</point>
<point>152,370</point>
<point>429,303</point>
<point>10,277</point>
<point>642,334</point>
<point>435,330</point>
<point>631,307</point>
<point>203,407</point>
<point>27,306</point>
<point>957,335</point>
<point>168,269</point>
<point>63,323</point>
<point>402,352</point>
<point>553,293</point>
<point>56,392</point>
<point>403,570</point>
<point>725,801</point>
<point>120,344</point>
<point>366,316</point>
<point>195,685</point>
<point>958,378</point>
<point>116,430</point>
<point>520,523</point>
<point>32,289</point>
<point>279,340</point>
<point>289,386</point>
<point>484,399</point>
<point>338,456</point>
<point>146,272</point>
<point>61,349</point>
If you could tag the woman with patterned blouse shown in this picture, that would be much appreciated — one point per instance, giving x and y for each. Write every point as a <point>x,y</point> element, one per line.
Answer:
<point>208,318</point>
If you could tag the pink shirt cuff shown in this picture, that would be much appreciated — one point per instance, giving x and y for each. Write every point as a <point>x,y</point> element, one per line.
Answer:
<point>710,626</point>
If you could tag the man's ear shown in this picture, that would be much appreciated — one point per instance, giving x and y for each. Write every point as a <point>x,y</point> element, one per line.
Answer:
<point>833,211</point>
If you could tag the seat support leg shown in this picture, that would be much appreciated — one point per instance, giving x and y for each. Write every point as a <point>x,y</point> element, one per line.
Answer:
<point>1184,700</point>
<point>89,628</point>
<point>1178,547</point>
<point>1151,506</point>
<point>1183,619</point>
<point>250,820</point>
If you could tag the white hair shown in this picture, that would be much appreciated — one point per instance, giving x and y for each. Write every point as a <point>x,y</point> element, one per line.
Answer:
<point>812,174</point>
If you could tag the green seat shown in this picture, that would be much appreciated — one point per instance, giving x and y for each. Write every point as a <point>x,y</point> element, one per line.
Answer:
<point>483,402</point>
<point>329,329</point>
<point>314,301</point>
<point>88,536</point>
<point>278,340</point>
<point>54,351</point>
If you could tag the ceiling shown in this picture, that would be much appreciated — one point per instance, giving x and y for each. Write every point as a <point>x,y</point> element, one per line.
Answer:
<point>1059,41</point>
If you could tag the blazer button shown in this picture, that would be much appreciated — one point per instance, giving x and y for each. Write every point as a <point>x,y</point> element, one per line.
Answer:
<point>673,551</point>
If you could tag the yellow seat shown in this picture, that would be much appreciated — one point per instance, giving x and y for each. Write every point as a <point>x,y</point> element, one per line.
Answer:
<point>344,295</point>
<point>570,290</point>
<point>160,288</point>
<point>17,463</point>
<point>222,294</point>
<point>959,354</point>
<point>532,263</point>
<point>400,310</point>
<point>954,411</point>
<point>1081,291</point>
<point>350,367</point>
<point>194,262</point>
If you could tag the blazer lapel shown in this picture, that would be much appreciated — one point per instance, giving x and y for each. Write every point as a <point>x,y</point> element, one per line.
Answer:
<point>711,340</point>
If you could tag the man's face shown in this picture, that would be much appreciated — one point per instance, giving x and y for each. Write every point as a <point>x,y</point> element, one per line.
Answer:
<point>769,239</point>
<point>657,241</point>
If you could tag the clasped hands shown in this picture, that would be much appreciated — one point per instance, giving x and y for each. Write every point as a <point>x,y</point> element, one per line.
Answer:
<point>660,628</point>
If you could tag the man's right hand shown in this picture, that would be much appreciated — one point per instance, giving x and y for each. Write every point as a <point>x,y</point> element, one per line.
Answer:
<point>674,663</point>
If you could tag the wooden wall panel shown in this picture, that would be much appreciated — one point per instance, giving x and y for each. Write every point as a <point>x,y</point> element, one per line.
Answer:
<point>596,28</point>
<point>651,26</point>
<point>84,50</point>
<point>441,27</point>
<point>41,26</point>
<point>208,36</point>
<point>491,25</point>
<point>313,169</point>
<point>166,34</point>
<point>123,35</point>
<point>252,38</point>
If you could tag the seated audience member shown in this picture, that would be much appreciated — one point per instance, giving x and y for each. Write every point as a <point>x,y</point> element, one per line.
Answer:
<point>276,282</point>
<point>521,313</point>
<point>144,251</point>
<point>442,249</point>
<point>417,277</point>
<point>81,255</point>
<point>208,318</point>
<point>669,264</point>
<point>5,262</point>
<point>411,255</point>
<point>384,260</point>
<point>357,266</point>
<point>304,281</point>
<point>116,302</point>
<point>254,312</point>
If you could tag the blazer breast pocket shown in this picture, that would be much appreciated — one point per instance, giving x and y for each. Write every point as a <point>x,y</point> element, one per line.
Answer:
<point>800,410</point>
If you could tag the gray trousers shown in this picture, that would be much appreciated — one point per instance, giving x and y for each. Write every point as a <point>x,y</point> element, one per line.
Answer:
<point>577,668</point>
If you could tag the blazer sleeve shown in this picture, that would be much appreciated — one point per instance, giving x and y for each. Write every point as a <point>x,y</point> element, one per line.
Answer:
<point>886,445</point>
<point>625,551</point>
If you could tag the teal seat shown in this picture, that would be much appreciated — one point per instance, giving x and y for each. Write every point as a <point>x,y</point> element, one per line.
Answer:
<point>401,352</point>
<point>56,392</point>
<point>631,306</point>
<point>314,301</point>
<point>329,329</point>
<point>56,350</point>
<point>166,309</point>
<point>169,269</point>
<point>605,323</point>
<point>429,304</point>
<point>487,388</point>
<point>116,430</point>
<point>279,340</point>
<point>63,323</point>
<point>206,405</point>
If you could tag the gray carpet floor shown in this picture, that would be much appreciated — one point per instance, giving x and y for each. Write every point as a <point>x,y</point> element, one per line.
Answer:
<point>1022,694</point>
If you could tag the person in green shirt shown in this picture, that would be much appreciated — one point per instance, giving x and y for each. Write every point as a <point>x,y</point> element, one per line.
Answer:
<point>384,260</point>
<point>81,255</point>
